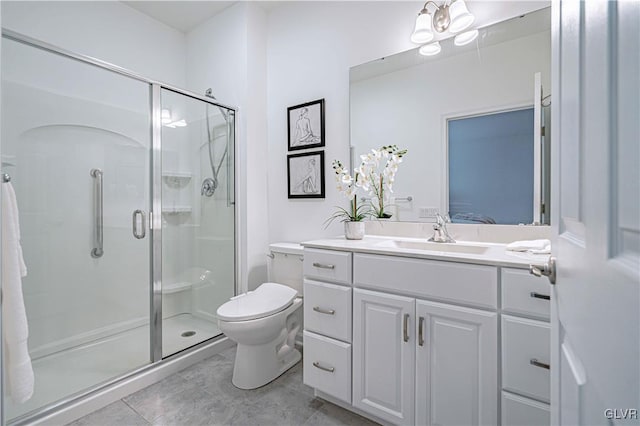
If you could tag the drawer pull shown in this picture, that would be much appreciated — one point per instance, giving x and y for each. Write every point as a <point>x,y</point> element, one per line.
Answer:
<point>405,328</point>
<point>324,265</point>
<point>316,364</point>
<point>324,311</point>
<point>420,331</point>
<point>537,363</point>
<point>539,296</point>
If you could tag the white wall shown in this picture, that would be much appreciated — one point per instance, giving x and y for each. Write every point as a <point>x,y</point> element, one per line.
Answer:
<point>228,54</point>
<point>107,30</point>
<point>311,46</point>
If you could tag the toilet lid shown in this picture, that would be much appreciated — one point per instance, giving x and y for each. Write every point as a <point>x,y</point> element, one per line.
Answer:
<point>267,299</point>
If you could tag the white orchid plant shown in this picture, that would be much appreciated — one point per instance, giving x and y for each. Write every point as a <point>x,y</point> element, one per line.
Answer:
<point>349,186</point>
<point>369,179</point>
<point>378,171</point>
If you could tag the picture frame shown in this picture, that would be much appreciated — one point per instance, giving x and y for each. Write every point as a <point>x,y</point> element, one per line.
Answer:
<point>305,125</point>
<point>305,175</point>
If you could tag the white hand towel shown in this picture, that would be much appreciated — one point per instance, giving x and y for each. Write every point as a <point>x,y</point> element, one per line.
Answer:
<point>18,368</point>
<point>545,250</point>
<point>529,245</point>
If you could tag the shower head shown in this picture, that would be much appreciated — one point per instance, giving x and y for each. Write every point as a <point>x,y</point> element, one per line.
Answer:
<point>209,94</point>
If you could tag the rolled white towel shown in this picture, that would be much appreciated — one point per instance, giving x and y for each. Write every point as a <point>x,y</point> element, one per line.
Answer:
<point>532,246</point>
<point>17,363</point>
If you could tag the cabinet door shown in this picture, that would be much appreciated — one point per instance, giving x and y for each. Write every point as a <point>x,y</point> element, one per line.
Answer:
<point>456,365</point>
<point>384,355</point>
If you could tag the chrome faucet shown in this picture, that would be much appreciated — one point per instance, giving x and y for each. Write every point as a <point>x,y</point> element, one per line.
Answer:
<point>440,232</point>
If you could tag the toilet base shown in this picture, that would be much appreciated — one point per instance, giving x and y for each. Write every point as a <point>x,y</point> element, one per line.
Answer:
<point>252,369</point>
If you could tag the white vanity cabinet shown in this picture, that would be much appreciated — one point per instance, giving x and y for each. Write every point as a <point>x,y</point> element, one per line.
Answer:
<point>384,355</point>
<point>456,365</point>
<point>327,322</point>
<point>525,349</point>
<point>427,341</point>
<point>417,361</point>
<point>421,362</point>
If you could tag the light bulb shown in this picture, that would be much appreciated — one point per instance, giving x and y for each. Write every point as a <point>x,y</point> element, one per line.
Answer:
<point>423,32</point>
<point>460,16</point>
<point>430,49</point>
<point>465,38</point>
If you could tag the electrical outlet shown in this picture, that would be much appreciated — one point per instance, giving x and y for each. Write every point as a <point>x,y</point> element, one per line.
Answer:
<point>427,212</point>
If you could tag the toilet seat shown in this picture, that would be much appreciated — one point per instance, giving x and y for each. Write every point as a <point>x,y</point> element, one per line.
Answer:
<point>266,300</point>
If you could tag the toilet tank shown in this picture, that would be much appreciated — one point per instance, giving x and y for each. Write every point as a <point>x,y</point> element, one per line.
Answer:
<point>285,265</point>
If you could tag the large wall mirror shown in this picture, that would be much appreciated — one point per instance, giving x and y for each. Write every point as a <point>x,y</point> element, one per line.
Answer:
<point>475,120</point>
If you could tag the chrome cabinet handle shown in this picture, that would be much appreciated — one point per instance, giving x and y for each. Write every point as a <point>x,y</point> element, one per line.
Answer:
<point>324,311</point>
<point>316,364</point>
<point>548,270</point>
<point>539,296</point>
<point>406,328</point>
<point>324,265</point>
<point>98,233</point>
<point>421,331</point>
<point>139,235</point>
<point>537,363</point>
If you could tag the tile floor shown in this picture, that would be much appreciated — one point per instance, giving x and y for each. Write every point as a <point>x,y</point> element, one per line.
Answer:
<point>203,395</point>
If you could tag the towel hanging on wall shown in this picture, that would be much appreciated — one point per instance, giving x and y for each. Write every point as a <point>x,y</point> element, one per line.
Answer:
<point>17,362</point>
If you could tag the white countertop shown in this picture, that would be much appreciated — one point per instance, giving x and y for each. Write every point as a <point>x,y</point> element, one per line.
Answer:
<point>495,254</point>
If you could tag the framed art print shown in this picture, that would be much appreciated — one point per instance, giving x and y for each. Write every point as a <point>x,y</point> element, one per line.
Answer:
<point>305,175</point>
<point>305,123</point>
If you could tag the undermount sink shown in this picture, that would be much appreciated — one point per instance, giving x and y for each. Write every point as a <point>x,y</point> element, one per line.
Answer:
<point>430,246</point>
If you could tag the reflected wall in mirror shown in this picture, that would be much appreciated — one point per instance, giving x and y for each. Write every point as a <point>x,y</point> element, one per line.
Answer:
<point>413,101</point>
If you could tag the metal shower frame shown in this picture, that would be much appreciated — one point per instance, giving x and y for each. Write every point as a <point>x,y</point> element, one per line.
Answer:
<point>154,223</point>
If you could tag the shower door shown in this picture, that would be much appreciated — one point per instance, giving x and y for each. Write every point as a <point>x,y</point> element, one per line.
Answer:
<point>76,141</point>
<point>198,217</point>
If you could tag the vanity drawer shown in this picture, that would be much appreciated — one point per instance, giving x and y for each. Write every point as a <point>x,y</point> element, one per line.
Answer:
<point>327,365</point>
<point>520,411</point>
<point>524,294</point>
<point>447,281</point>
<point>327,309</point>
<point>327,265</point>
<point>525,352</point>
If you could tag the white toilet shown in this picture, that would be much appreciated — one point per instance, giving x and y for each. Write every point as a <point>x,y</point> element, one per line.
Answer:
<point>264,322</point>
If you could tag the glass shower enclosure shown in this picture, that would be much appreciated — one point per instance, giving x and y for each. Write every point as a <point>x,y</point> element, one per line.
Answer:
<point>126,197</point>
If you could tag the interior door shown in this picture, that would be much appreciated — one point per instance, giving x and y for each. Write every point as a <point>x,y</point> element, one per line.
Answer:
<point>596,187</point>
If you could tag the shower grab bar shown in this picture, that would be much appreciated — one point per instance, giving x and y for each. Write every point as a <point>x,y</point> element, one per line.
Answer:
<point>98,236</point>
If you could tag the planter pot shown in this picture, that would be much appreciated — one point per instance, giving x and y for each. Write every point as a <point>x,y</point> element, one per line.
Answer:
<point>354,230</point>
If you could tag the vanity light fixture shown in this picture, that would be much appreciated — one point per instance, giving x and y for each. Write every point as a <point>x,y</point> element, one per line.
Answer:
<point>452,16</point>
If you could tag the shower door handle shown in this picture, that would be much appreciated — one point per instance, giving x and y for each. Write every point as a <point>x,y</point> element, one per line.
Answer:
<point>98,236</point>
<point>139,234</point>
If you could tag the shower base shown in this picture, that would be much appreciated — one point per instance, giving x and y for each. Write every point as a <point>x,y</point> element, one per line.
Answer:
<point>73,370</point>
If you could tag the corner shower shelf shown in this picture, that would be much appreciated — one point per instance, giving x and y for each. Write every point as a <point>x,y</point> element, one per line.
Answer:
<point>176,179</point>
<point>175,287</point>
<point>176,210</point>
